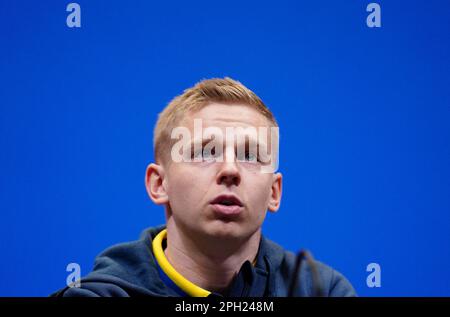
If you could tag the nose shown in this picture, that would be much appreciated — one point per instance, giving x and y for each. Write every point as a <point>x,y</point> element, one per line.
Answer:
<point>229,173</point>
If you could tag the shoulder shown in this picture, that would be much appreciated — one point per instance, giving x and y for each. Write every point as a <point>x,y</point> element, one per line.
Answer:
<point>332,282</point>
<point>123,269</point>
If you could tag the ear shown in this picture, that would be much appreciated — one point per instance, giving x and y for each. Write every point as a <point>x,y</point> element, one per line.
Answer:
<point>275,197</point>
<point>155,184</point>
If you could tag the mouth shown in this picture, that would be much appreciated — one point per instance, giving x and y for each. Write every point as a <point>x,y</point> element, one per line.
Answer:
<point>227,205</point>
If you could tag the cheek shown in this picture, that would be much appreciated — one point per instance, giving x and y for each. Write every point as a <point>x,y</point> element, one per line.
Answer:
<point>259,195</point>
<point>186,188</point>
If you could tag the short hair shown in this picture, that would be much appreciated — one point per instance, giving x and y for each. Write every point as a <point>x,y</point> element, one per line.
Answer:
<point>220,90</point>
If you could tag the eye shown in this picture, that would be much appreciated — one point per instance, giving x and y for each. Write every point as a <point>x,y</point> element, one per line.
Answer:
<point>203,155</point>
<point>250,157</point>
<point>207,156</point>
<point>196,154</point>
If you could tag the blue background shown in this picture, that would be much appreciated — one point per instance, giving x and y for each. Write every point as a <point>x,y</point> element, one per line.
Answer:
<point>364,116</point>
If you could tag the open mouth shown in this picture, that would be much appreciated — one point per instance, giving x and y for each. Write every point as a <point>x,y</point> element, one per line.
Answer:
<point>227,202</point>
<point>227,205</point>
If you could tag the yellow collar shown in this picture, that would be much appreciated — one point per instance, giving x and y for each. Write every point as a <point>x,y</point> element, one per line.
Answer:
<point>187,286</point>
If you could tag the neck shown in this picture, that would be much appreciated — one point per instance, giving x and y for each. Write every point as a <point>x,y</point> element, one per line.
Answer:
<point>209,262</point>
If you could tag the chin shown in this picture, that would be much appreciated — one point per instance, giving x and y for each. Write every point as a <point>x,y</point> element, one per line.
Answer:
<point>225,229</point>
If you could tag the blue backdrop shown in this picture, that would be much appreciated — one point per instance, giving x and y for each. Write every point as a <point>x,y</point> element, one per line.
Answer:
<point>364,115</point>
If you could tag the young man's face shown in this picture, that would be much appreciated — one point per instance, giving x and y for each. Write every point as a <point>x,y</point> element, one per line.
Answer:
<point>228,198</point>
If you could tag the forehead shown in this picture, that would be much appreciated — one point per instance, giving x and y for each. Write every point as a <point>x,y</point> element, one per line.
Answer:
<point>226,115</point>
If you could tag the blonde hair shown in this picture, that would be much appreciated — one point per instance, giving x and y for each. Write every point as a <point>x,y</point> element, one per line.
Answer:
<point>221,90</point>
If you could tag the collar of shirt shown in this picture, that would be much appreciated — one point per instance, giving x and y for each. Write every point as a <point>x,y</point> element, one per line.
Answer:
<point>249,282</point>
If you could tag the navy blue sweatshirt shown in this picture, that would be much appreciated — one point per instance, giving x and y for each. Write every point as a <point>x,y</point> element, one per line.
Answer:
<point>130,269</point>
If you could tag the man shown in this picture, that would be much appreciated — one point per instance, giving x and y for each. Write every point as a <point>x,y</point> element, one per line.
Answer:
<point>216,178</point>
